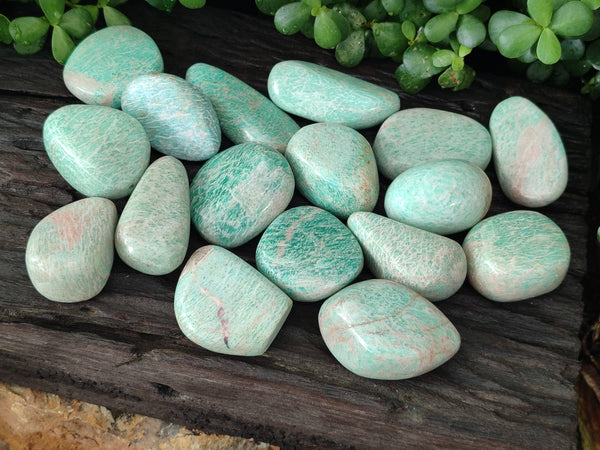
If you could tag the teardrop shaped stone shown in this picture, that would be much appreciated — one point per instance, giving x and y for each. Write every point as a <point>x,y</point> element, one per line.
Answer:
<point>154,228</point>
<point>432,265</point>
<point>383,330</point>
<point>100,151</point>
<point>309,253</point>
<point>101,65</point>
<point>178,119</point>
<point>244,113</point>
<point>516,255</point>
<point>238,192</point>
<point>225,305</point>
<point>334,167</point>
<point>70,252</point>
<point>322,94</point>
<point>414,136</point>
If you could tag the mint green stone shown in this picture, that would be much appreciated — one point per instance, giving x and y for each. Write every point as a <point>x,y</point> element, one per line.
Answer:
<point>225,305</point>
<point>238,192</point>
<point>244,113</point>
<point>444,197</point>
<point>516,255</point>
<point>432,265</point>
<point>100,151</point>
<point>383,330</point>
<point>309,253</point>
<point>154,228</point>
<point>70,252</point>
<point>334,167</point>
<point>321,94</point>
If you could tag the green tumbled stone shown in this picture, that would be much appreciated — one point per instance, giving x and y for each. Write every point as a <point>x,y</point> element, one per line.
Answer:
<point>516,255</point>
<point>70,252</point>
<point>383,330</point>
<point>309,254</point>
<point>154,228</point>
<point>432,265</point>
<point>100,151</point>
<point>225,305</point>
<point>244,113</point>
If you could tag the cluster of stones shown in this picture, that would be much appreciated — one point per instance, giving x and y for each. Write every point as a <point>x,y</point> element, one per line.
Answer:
<point>383,328</point>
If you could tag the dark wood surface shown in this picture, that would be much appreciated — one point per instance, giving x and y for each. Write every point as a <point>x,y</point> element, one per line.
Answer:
<point>510,386</point>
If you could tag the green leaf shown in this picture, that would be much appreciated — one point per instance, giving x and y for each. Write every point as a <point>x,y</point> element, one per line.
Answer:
<point>193,4</point>
<point>93,10</point>
<point>572,19</point>
<point>409,30</point>
<point>458,64</point>
<point>592,4</point>
<point>441,6</point>
<point>393,6</point>
<point>77,22</point>
<point>417,59</point>
<point>408,82</point>
<point>560,75</point>
<point>114,17</point>
<point>471,31</point>
<point>351,51</point>
<point>466,6</point>
<point>529,56</point>
<point>482,12</point>
<point>62,45</point>
<point>341,22</point>
<point>327,33</point>
<point>540,11</point>
<point>439,27</point>
<point>163,5</point>
<point>290,18</point>
<point>30,49</point>
<point>457,79</point>
<point>516,40</point>
<point>538,72</point>
<point>5,36</point>
<point>28,30</point>
<point>592,54</point>
<point>308,29</point>
<point>502,20</point>
<point>443,58</point>
<point>577,68</point>
<point>548,47</point>
<point>389,38</point>
<point>270,7</point>
<point>415,12</point>
<point>375,12</point>
<point>464,51</point>
<point>312,3</point>
<point>53,10</point>
<point>354,17</point>
<point>572,49</point>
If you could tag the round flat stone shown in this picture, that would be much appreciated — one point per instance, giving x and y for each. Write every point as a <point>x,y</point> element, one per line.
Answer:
<point>444,196</point>
<point>70,252</point>
<point>414,136</point>
<point>432,265</point>
<point>101,65</point>
<point>100,151</point>
<point>238,192</point>
<point>309,253</point>
<point>383,330</point>
<point>225,305</point>
<point>334,167</point>
<point>244,113</point>
<point>154,228</point>
<point>529,155</point>
<point>321,94</point>
<point>516,255</point>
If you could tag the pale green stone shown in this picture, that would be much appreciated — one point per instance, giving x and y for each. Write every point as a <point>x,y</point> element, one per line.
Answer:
<point>383,330</point>
<point>100,151</point>
<point>309,253</point>
<point>444,197</point>
<point>432,265</point>
<point>225,305</point>
<point>154,228</point>
<point>244,113</point>
<point>516,255</point>
<point>322,94</point>
<point>70,252</point>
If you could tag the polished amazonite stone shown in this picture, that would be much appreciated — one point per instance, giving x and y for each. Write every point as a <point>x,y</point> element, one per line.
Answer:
<point>244,113</point>
<point>414,136</point>
<point>432,265</point>
<point>178,119</point>
<point>516,255</point>
<point>444,197</point>
<point>238,192</point>
<point>384,330</point>
<point>101,65</point>
<point>334,167</point>
<point>225,305</point>
<point>100,151</point>
<point>154,228</point>
<point>529,155</point>
<point>309,253</point>
<point>321,94</point>
<point>70,252</point>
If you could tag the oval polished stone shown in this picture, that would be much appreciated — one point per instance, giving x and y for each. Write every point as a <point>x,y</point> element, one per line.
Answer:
<point>238,192</point>
<point>70,252</point>
<point>309,253</point>
<point>225,305</point>
<point>418,135</point>
<point>154,228</point>
<point>383,330</point>
<point>321,94</point>
<point>444,197</point>
<point>334,167</point>
<point>244,113</point>
<point>178,119</point>
<point>516,255</point>
<point>101,65</point>
<point>529,155</point>
<point>432,265</point>
<point>100,151</point>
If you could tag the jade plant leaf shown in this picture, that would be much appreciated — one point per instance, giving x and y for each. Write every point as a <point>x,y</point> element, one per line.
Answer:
<point>548,48</point>
<point>62,45</point>
<point>515,40</point>
<point>540,11</point>
<point>471,31</point>
<point>501,20</point>
<point>53,10</point>
<point>439,27</point>
<point>572,19</point>
<point>290,18</point>
<point>389,38</point>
